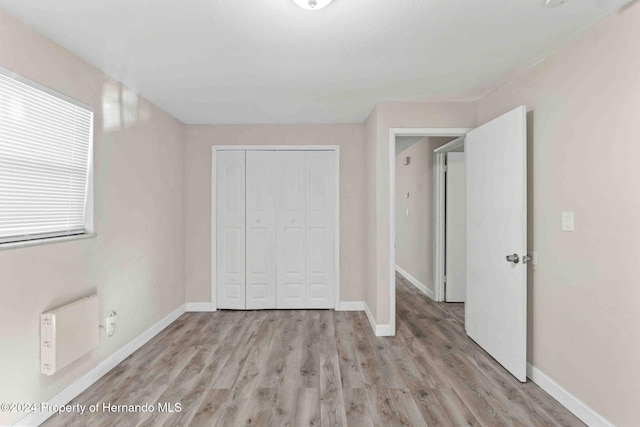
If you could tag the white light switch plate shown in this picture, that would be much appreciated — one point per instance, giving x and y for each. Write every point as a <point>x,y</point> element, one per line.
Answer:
<point>567,221</point>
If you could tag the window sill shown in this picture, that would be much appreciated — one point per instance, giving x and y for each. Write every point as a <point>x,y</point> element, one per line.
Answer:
<point>46,241</point>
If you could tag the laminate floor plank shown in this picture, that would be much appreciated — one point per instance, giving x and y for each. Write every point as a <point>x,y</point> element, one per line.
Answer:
<point>318,367</point>
<point>349,367</point>
<point>308,407</point>
<point>280,351</point>
<point>332,400</point>
<point>310,364</point>
<point>209,411</point>
<point>236,360</point>
<point>238,408</point>
<point>383,410</point>
<point>284,372</point>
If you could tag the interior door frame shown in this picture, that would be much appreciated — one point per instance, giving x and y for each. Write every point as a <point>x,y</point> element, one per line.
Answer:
<point>214,162</point>
<point>439,200</point>
<point>393,133</point>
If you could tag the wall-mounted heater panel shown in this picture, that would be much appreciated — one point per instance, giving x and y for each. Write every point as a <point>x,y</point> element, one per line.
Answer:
<point>68,333</point>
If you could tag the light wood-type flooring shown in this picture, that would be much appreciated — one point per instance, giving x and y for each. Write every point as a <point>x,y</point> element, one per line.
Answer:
<point>319,368</point>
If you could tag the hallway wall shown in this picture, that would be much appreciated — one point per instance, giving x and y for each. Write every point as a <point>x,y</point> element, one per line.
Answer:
<point>415,232</point>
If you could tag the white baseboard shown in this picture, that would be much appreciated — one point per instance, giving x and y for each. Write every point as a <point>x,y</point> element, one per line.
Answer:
<point>568,400</point>
<point>199,306</point>
<point>350,306</point>
<point>82,383</point>
<point>379,330</point>
<point>415,282</point>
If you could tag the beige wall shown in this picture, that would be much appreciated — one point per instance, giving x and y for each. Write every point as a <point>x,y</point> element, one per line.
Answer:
<point>584,296</point>
<point>136,264</point>
<point>414,233</point>
<point>398,115</point>
<point>350,138</point>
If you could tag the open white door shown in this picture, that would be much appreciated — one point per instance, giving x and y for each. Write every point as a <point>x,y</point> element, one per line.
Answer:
<point>496,304</point>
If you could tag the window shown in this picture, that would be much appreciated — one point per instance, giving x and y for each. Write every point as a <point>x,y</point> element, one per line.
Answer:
<point>45,162</point>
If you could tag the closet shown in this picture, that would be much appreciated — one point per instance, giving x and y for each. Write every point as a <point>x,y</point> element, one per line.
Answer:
<point>275,229</point>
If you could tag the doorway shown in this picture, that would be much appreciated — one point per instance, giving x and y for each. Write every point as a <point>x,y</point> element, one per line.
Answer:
<point>446,134</point>
<point>415,214</point>
<point>496,235</point>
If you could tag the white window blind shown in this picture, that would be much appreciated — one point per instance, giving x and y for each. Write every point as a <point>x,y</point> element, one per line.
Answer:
<point>45,155</point>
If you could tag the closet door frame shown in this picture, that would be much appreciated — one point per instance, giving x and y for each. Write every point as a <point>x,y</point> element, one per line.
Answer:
<point>214,162</point>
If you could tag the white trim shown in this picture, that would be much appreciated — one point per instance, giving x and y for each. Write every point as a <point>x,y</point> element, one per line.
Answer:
<point>45,89</point>
<point>85,381</point>
<point>415,282</point>
<point>194,307</point>
<point>385,331</point>
<point>429,131</point>
<point>277,147</point>
<point>214,151</point>
<point>372,321</point>
<point>566,399</point>
<point>336,262</point>
<point>350,306</point>
<point>393,132</point>
<point>46,241</point>
<point>378,330</point>
<point>212,237</point>
<point>439,225</point>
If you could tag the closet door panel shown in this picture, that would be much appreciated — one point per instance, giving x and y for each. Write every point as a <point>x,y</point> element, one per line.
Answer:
<point>230,230</point>
<point>320,250</point>
<point>260,225</point>
<point>291,229</point>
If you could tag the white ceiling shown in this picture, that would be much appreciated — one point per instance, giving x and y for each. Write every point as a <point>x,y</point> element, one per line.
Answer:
<point>269,61</point>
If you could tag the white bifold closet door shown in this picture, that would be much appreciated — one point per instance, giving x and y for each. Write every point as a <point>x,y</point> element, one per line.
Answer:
<point>321,219</point>
<point>292,237</point>
<point>288,253</point>
<point>261,230</point>
<point>230,230</point>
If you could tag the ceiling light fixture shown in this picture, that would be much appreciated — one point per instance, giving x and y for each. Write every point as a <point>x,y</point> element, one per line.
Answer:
<point>555,3</point>
<point>312,4</point>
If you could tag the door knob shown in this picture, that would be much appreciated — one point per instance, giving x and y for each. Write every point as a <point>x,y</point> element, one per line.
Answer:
<point>513,258</point>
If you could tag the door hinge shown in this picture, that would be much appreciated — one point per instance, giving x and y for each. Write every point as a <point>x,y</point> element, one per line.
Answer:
<point>446,168</point>
<point>444,279</point>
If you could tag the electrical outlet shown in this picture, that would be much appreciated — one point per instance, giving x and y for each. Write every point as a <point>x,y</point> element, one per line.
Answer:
<point>112,318</point>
